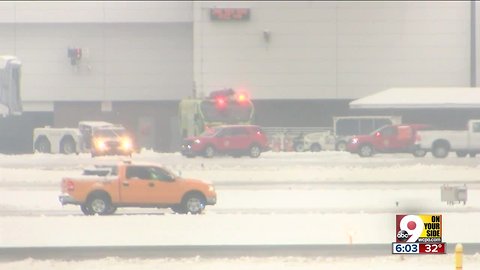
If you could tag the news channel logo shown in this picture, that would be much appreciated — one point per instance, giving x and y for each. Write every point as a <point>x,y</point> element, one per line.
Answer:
<point>418,229</point>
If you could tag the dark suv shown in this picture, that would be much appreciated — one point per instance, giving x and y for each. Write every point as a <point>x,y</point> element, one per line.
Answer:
<point>235,140</point>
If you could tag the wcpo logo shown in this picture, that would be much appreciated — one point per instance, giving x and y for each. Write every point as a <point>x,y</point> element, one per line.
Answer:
<point>418,229</point>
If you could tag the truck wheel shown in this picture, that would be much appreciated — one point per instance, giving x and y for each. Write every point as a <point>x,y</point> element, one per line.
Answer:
<point>365,151</point>
<point>472,155</point>
<point>99,204</point>
<point>315,147</point>
<point>68,146</point>
<point>254,151</point>
<point>193,204</point>
<point>419,153</point>
<point>298,147</point>
<point>341,146</point>
<point>209,151</point>
<point>42,145</point>
<point>440,151</point>
<point>86,210</point>
<point>461,154</point>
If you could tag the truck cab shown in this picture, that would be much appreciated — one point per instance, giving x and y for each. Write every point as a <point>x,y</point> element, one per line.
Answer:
<point>387,139</point>
<point>345,127</point>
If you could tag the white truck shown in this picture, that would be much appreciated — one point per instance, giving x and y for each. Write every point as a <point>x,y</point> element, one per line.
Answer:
<point>97,137</point>
<point>441,142</point>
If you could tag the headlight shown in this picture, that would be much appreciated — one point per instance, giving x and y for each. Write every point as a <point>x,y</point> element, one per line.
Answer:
<point>355,140</point>
<point>197,141</point>
<point>100,144</point>
<point>211,188</point>
<point>126,143</point>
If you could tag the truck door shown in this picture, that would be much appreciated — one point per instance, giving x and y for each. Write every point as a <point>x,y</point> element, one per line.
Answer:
<point>135,186</point>
<point>474,135</point>
<point>385,139</point>
<point>165,189</point>
<point>148,185</point>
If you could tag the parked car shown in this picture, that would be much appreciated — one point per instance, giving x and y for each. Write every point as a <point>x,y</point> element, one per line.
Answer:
<point>236,140</point>
<point>441,142</point>
<point>388,139</point>
<point>101,189</point>
<point>315,142</point>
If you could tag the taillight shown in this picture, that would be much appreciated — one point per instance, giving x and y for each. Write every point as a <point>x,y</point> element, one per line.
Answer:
<point>70,186</point>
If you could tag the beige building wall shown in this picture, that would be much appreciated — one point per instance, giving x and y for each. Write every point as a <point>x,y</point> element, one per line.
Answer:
<point>332,50</point>
<point>131,51</point>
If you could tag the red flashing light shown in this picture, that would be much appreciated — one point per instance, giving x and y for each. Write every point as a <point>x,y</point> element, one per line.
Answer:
<point>221,102</point>
<point>242,98</point>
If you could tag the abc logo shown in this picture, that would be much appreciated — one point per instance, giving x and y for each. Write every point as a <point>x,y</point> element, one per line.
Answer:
<point>402,235</point>
<point>409,227</point>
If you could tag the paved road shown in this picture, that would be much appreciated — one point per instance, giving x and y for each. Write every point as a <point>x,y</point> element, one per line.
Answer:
<point>208,251</point>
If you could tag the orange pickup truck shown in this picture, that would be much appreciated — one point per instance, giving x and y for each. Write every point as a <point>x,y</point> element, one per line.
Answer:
<point>103,188</point>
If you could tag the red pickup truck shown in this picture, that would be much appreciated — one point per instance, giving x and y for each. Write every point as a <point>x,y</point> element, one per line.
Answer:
<point>388,139</point>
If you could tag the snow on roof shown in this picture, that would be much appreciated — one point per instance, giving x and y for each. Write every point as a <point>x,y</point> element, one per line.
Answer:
<point>95,123</point>
<point>421,97</point>
<point>4,59</point>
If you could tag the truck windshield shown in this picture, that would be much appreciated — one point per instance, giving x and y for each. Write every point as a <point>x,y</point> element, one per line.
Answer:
<point>232,113</point>
<point>378,130</point>
<point>348,127</point>
<point>111,133</point>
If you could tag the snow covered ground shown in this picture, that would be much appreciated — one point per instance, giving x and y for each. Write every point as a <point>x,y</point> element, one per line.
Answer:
<point>435,262</point>
<point>247,212</point>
